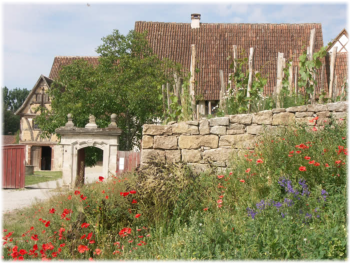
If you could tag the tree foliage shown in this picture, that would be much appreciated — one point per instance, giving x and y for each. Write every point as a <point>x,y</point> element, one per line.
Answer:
<point>126,82</point>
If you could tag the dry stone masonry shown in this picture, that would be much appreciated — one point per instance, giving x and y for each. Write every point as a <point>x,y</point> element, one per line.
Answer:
<point>217,140</point>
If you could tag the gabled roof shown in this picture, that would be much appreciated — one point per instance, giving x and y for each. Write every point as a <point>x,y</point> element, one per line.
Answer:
<point>214,44</point>
<point>48,82</point>
<point>61,61</point>
<point>8,139</point>
<point>343,32</point>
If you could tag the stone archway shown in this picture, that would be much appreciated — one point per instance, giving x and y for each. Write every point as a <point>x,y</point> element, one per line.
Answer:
<point>74,139</point>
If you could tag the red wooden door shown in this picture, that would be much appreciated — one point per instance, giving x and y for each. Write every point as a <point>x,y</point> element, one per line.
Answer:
<point>127,161</point>
<point>13,173</point>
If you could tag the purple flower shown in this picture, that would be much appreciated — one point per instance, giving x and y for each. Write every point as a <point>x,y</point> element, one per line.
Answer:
<point>288,202</point>
<point>305,188</point>
<point>287,184</point>
<point>283,215</point>
<point>251,212</point>
<point>324,194</point>
<point>308,216</point>
<point>261,205</point>
<point>278,205</point>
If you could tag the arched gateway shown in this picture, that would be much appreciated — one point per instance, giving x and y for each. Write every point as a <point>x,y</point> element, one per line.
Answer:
<point>75,139</point>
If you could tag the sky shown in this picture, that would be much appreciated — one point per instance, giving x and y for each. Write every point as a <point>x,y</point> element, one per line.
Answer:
<point>34,33</point>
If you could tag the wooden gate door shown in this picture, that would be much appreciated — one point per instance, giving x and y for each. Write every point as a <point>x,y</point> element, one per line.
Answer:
<point>36,157</point>
<point>127,161</point>
<point>13,166</point>
<point>80,179</point>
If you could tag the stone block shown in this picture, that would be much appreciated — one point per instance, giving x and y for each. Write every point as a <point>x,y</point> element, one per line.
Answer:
<point>240,141</point>
<point>317,107</point>
<point>148,156</point>
<point>338,106</point>
<point>165,142</point>
<point>263,117</point>
<point>232,132</point>
<point>296,109</point>
<point>303,114</point>
<point>219,130</point>
<point>219,121</point>
<point>278,110</point>
<point>152,129</point>
<point>283,118</point>
<point>323,114</point>
<point>183,128</point>
<point>338,115</point>
<point>197,141</point>
<point>305,120</point>
<point>173,156</point>
<point>218,155</point>
<point>195,123</point>
<point>198,168</point>
<point>219,164</point>
<point>191,156</point>
<point>241,118</point>
<point>323,121</point>
<point>204,127</point>
<point>255,129</point>
<point>236,126</point>
<point>147,142</point>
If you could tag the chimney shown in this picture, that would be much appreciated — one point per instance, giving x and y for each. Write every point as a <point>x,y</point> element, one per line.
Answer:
<point>195,18</point>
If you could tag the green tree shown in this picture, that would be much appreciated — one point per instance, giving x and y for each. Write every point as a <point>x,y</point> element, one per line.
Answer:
<point>127,82</point>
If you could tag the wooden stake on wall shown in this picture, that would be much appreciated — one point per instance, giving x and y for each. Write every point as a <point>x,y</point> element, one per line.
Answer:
<point>250,79</point>
<point>322,82</point>
<point>279,78</point>
<point>290,79</point>
<point>163,94</point>
<point>331,75</point>
<point>192,81</point>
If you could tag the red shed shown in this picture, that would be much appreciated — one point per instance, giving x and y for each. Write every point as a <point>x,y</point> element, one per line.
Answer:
<point>13,166</point>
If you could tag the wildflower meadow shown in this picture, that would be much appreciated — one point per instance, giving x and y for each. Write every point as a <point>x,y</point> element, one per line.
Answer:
<point>286,199</point>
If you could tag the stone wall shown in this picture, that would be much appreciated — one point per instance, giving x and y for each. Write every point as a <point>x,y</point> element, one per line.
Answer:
<point>217,139</point>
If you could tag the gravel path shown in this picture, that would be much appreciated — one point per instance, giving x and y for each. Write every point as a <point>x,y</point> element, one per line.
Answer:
<point>13,199</point>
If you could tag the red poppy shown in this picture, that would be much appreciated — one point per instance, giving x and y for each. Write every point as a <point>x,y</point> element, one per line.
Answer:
<point>327,165</point>
<point>290,155</point>
<point>35,247</point>
<point>205,209</point>
<point>248,170</point>
<point>52,210</point>
<point>97,251</point>
<point>298,152</point>
<point>242,181</point>
<point>291,152</point>
<point>220,176</point>
<point>101,178</point>
<point>124,232</point>
<point>134,201</point>
<point>35,237</point>
<point>82,248</point>
<point>259,161</point>
<point>69,197</point>
<point>137,215</point>
<point>302,168</point>
<point>83,197</point>
<point>106,196</point>
<point>307,158</point>
<point>139,244</point>
<point>63,245</point>
<point>92,242</point>
<point>221,196</point>
<point>140,236</point>
<point>219,201</point>
<point>83,236</point>
<point>317,164</point>
<point>314,129</point>
<point>312,162</point>
<point>77,192</point>
<point>231,173</point>
<point>338,162</point>
<point>23,252</point>
<point>133,192</point>
<point>47,224</point>
<point>84,225</point>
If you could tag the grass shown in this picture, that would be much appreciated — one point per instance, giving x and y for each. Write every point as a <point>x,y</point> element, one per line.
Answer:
<point>42,176</point>
<point>286,199</point>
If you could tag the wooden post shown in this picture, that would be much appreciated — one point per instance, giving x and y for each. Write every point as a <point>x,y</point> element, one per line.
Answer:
<point>234,49</point>
<point>177,88</point>
<point>335,87</point>
<point>279,78</point>
<point>222,91</point>
<point>250,80</point>
<point>296,83</point>
<point>197,112</point>
<point>322,83</point>
<point>290,79</point>
<point>163,93</point>
<point>168,95</point>
<point>192,81</point>
<point>312,43</point>
<point>331,75</point>
<point>209,107</point>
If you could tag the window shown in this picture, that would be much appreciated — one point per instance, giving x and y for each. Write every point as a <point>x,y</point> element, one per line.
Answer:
<point>38,97</point>
<point>35,126</point>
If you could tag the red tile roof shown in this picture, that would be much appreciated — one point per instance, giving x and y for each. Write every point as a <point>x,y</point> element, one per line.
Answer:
<point>214,44</point>
<point>8,139</point>
<point>61,61</point>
